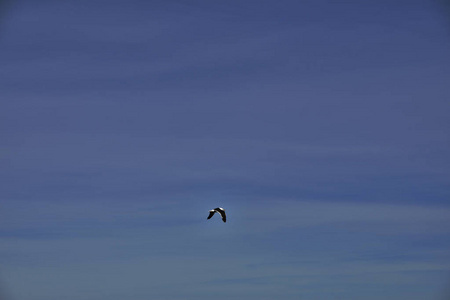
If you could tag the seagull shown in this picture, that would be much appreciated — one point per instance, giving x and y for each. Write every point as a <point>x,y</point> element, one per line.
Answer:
<point>220,210</point>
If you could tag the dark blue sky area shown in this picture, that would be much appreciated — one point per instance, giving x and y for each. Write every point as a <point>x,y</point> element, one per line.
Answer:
<point>321,127</point>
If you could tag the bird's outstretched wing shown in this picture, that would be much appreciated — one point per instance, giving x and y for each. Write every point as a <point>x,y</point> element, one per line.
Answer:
<point>211,213</point>
<point>224,217</point>
<point>221,211</point>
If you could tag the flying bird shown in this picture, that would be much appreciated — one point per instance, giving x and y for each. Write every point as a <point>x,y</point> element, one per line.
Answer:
<point>219,210</point>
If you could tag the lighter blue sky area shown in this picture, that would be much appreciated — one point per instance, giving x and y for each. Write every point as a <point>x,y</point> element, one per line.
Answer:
<point>321,128</point>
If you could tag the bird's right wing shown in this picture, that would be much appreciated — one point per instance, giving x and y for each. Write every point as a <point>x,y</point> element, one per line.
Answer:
<point>211,213</point>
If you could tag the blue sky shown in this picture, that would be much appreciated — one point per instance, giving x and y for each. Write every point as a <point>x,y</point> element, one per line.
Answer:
<point>321,127</point>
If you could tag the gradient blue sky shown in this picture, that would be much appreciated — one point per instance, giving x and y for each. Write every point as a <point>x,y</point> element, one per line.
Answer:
<point>321,127</point>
